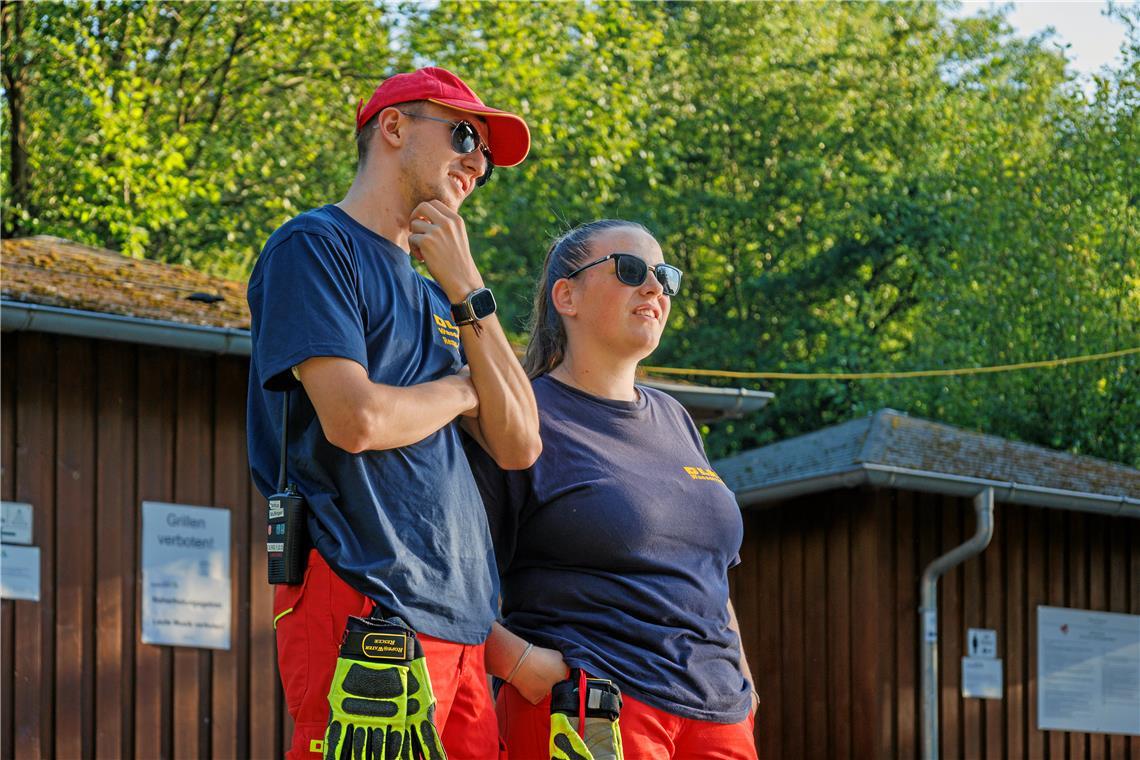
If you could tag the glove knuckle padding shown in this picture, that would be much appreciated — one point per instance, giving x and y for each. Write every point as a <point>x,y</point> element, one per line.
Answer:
<point>370,682</point>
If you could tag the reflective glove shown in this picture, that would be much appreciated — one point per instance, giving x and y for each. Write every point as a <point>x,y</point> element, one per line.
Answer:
<point>368,696</point>
<point>421,731</point>
<point>601,739</point>
<point>565,744</point>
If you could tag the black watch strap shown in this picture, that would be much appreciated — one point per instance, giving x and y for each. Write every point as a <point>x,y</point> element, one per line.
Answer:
<point>479,304</point>
<point>462,313</point>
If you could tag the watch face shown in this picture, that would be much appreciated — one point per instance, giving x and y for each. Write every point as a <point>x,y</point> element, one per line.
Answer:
<point>482,304</point>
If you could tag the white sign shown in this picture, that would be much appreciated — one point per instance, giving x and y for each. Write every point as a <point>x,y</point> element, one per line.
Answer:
<point>982,642</point>
<point>1088,671</point>
<point>15,522</point>
<point>20,572</point>
<point>930,626</point>
<point>981,677</point>
<point>186,575</point>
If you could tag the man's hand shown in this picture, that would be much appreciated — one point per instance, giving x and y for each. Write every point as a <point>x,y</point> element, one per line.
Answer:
<point>465,373</point>
<point>439,239</point>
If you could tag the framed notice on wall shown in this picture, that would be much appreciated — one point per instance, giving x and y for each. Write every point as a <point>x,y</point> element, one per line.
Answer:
<point>1088,671</point>
<point>186,597</point>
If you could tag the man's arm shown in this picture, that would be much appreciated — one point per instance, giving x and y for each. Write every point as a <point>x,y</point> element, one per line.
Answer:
<point>507,424</point>
<point>358,415</point>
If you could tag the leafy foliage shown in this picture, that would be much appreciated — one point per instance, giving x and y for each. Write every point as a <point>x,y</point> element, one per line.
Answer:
<point>184,132</point>
<point>851,186</point>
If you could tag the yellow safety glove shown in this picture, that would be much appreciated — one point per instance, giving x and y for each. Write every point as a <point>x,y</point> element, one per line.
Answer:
<point>601,739</point>
<point>421,731</point>
<point>565,744</point>
<point>368,696</point>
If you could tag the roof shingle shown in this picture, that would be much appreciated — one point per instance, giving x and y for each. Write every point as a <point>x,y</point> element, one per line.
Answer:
<point>54,272</point>
<point>895,439</point>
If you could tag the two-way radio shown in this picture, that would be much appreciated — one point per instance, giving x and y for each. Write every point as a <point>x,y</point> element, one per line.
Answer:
<point>287,540</point>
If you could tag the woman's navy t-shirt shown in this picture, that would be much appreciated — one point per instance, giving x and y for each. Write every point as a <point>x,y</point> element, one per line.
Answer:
<point>614,548</point>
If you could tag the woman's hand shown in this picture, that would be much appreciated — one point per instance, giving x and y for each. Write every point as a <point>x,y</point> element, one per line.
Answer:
<point>539,672</point>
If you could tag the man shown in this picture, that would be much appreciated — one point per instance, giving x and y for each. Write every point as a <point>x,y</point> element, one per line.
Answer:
<point>386,361</point>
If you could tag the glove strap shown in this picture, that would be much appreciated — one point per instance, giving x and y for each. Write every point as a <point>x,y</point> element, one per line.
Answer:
<point>370,640</point>
<point>600,697</point>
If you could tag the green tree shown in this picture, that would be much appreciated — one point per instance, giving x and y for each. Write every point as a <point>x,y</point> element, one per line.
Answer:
<point>183,132</point>
<point>580,75</point>
<point>849,186</point>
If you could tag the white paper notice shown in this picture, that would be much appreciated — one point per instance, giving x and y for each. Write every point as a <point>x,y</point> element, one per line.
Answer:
<point>1088,669</point>
<point>186,597</point>
<point>981,677</point>
<point>20,572</point>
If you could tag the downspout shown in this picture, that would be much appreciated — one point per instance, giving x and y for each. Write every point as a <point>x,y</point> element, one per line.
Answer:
<point>928,615</point>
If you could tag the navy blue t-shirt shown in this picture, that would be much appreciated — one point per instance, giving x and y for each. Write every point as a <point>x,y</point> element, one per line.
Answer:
<point>405,526</point>
<point>614,549</point>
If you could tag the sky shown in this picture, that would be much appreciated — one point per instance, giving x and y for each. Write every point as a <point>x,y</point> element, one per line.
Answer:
<point>1093,38</point>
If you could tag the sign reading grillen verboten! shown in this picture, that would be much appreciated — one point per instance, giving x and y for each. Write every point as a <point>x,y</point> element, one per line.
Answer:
<point>186,575</point>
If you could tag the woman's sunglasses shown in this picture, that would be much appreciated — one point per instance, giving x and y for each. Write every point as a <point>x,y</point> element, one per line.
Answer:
<point>464,139</point>
<point>632,270</point>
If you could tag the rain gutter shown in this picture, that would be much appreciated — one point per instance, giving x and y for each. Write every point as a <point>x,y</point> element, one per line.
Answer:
<point>945,483</point>
<point>16,316</point>
<point>928,614</point>
<point>732,403</point>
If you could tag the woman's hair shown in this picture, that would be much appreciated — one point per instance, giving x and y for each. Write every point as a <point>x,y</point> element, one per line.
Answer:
<point>568,252</point>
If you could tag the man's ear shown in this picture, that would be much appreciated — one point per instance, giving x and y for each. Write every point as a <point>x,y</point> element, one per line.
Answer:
<point>564,298</point>
<point>389,126</point>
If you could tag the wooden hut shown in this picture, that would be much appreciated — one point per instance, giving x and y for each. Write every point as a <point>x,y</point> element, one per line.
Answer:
<point>839,526</point>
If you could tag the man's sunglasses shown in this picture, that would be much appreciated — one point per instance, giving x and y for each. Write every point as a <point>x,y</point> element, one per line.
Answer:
<point>632,270</point>
<point>464,139</point>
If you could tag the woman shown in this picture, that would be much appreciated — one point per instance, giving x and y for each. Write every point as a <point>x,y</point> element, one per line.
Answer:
<point>614,547</point>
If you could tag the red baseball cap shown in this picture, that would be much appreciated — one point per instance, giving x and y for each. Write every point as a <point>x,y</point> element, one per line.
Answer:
<point>509,139</point>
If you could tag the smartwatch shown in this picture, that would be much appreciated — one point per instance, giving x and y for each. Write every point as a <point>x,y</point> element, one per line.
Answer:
<point>479,304</point>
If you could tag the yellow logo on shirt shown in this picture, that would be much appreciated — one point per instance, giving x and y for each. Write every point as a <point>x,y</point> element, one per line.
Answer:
<point>448,330</point>
<point>701,473</point>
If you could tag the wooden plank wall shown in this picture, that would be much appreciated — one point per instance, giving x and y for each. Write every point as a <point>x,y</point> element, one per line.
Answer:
<point>827,597</point>
<point>90,430</point>
<point>826,593</point>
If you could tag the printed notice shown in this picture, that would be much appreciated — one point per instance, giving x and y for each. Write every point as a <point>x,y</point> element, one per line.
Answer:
<point>186,599</point>
<point>981,678</point>
<point>1088,670</point>
<point>20,572</point>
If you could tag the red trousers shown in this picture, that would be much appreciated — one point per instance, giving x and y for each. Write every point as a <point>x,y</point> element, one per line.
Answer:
<point>646,732</point>
<point>310,621</point>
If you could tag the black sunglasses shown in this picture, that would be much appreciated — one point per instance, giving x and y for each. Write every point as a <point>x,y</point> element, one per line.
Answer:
<point>464,139</point>
<point>632,270</point>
